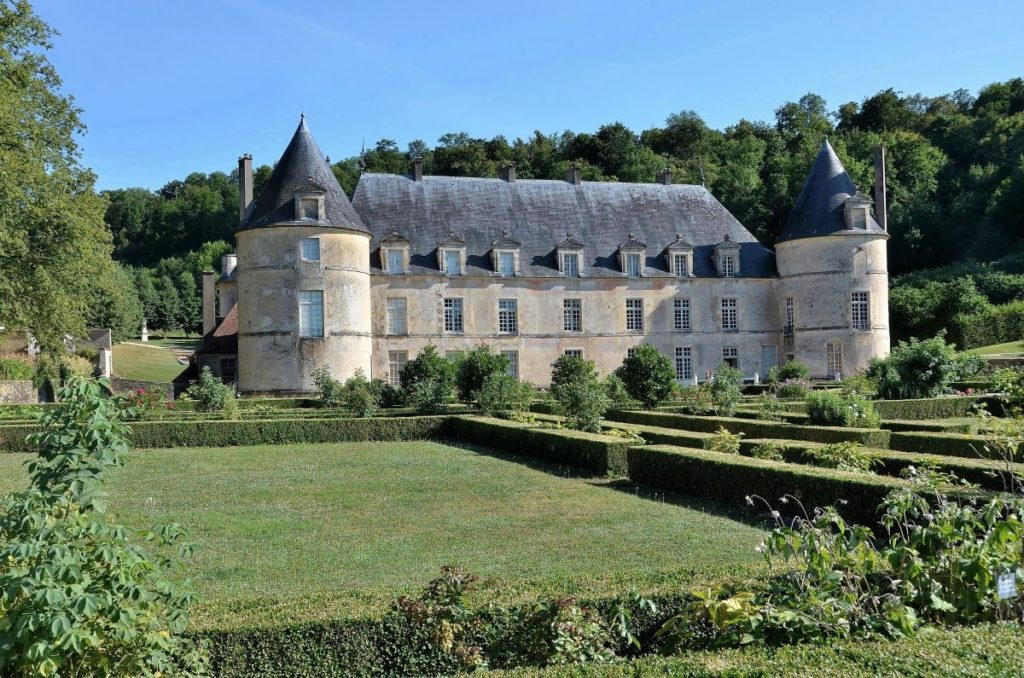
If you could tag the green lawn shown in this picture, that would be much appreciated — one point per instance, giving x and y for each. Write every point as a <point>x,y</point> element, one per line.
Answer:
<point>315,531</point>
<point>182,343</point>
<point>146,363</point>
<point>1009,348</point>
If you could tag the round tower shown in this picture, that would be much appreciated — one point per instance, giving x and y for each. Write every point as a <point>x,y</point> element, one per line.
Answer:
<point>303,277</point>
<point>833,289</point>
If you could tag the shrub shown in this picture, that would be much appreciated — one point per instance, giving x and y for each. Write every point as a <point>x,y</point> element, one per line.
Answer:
<point>915,369</point>
<point>442,612</point>
<point>579,394</point>
<point>995,325</point>
<point>473,367</point>
<point>858,384</point>
<point>358,396</point>
<point>845,456</point>
<point>769,408</point>
<point>724,442</point>
<point>501,392</point>
<point>16,368</point>
<point>793,388</point>
<point>428,381</point>
<point>143,404</point>
<point>616,391</point>
<point>769,451</point>
<point>212,395</point>
<point>386,394</point>
<point>330,389</point>
<point>726,389</point>
<point>1009,384</point>
<point>828,408</point>
<point>791,369</point>
<point>648,376</point>
<point>696,399</point>
<point>77,596</point>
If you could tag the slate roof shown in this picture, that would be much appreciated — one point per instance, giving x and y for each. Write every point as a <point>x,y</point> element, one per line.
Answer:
<point>819,207</point>
<point>540,213</point>
<point>302,168</point>
<point>224,338</point>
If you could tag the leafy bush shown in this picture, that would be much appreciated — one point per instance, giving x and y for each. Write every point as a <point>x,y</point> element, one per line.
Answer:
<point>793,388</point>
<point>386,394</point>
<point>790,370</point>
<point>210,394</point>
<point>358,396</point>
<point>330,389</point>
<point>726,387</point>
<point>442,612</point>
<point>858,384</point>
<point>696,399</point>
<point>916,369</point>
<point>648,376</point>
<point>16,368</point>
<point>724,442</point>
<point>1009,384</point>
<point>77,597</point>
<point>845,456</point>
<point>769,408</point>
<point>557,631</point>
<point>578,392</point>
<point>828,408</point>
<point>501,392</point>
<point>769,451</point>
<point>428,381</point>
<point>143,404</point>
<point>473,367</point>
<point>616,391</point>
<point>996,325</point>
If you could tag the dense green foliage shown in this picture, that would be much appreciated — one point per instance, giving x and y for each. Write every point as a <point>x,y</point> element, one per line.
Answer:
<point>210,394</point>
<point>829,408</point>
<point>648,376</point>
<point>992,325</point>
<point>357,395</point>
<point>791,369</point>
<point>14,368</point>
<point>428,381</point>
<point>920,369</point>
<point>472,368</point>
<point>726,389</point>
<point>77,596</point>
<point>502,393</point>
<point>582,398</point>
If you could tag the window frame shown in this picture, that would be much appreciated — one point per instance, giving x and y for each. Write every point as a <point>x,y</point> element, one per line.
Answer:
<point>508,317</point>
<point>576,352</point>
<point>860,311</point>
<point>454,310</point>
<point>394,361</point>
<point>730,314</point>
<point>634,264</point>
<point>575,258</point>
<point>682,315</point>
<point>513,363</point>
<point>684,363</point>
<point>833,358</point>
<point>399,253</point>
<point>732,359</point>
<point>572,315</point>
<point>635,314</point>
<point>307,326</point>
<point>389,327</point>
<point>508,256</point>
<point>302,250</point>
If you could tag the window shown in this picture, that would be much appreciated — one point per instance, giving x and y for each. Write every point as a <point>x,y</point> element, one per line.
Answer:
<point>228,370</point>
<point>834,358</point>
<point>681,265</point>
<point>571,265</point>
<point>396,262</point>
<point>769,359</point>
<point>633,265</point>
<point>507,264</point>
<point>574,352</point>
<point>634,315</point>
<point>681,315</point>
<point>684,363</point>
<point>396,320</point>
<point>790,317</point>
<point>729,320</point>
<point>311,209</point>
<point>572,315</point>
<point>452,262</point>
<point>310,249</point>
<point>311,313</point>
<point>396,362</point>
<point>453,315</point>
<point>630,352</point>
<point>728,265</point>
<point>731,356</point>
<point>860,314</point>
<point>513,363</point>
<point>508,316</point>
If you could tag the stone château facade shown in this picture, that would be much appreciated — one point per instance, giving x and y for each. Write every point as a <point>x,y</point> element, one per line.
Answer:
<point>535,269</point>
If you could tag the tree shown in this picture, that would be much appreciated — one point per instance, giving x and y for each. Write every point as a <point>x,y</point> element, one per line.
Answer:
<point>579,393</point>
<point>115,303</point>
<point>474,366</point>
<point>52,237</point>
<point>428,381</point>
<point>648,376</point>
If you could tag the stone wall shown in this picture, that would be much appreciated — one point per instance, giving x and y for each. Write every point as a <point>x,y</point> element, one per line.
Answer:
<point>18,393</point>
<point>124,386</point>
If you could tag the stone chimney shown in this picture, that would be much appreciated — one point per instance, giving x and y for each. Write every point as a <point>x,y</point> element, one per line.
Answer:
<point>881,205</point>
<point>572,175</point>
<point>508,172</point>
<point>244,187</point>
<point>417,168</point>
<point>228,263</point>
<point>665,177</point>
<point>209,303</point>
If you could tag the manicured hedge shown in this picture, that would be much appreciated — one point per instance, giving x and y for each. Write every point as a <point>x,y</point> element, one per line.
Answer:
<point>997,325</point>
<point>931,426</point>
<point>927,408</point>
<point>732,478</point>
<point>753,428</point>
<point>599,453</point>
<point>948,444</point>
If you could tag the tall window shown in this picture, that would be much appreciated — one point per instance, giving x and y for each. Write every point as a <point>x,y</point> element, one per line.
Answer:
<point>396,361</point>
<point>684,363</point>
<point>731,356</point>
<point>508,316</point>
<point>571,265</point>
<point>572,315</point>
<point>729,320</point>
<point>630,352</point>
<point>681,315</point>
<point>728,266</point>
<point>634,315</point>
<point>507,264</point>
<point>633,265</point>
<point>769,359</point>
<point>396,262</point>
<point>453,315</point>
<point>860,313</point>
<point>834,357</point>
<point>680,265</point>
<point>574,352</point>
<point>513,363</point>
<point>396,320</point>
<point>228,370</point>
<point>452,262</point>
<point>790,316</point>
<point>310,249</point>
<point>311,313</point>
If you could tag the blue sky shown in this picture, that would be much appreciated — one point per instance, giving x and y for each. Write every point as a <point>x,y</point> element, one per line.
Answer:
<point>174,87</point>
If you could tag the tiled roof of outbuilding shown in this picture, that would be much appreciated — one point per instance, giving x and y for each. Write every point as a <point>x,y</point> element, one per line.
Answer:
<point>819,207</point>
<point>539,213</point>
<point>302,168</point>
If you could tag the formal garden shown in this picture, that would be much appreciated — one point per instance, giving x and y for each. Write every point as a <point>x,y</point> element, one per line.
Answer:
<point>463,521</point>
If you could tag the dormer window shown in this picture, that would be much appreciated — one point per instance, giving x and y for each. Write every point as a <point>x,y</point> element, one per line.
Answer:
<point>632,253</point>
<point>680,257</point>
<point>394,254</point>
<point>451,255</point>
<point>568,253</point>
<point>309,207</point>
<point>505,255</point>
<point>727,258</point>
<point>857,210</point>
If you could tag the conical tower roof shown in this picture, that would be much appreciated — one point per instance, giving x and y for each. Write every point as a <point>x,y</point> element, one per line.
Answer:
<point>302,169</point>
<point>819,207</point>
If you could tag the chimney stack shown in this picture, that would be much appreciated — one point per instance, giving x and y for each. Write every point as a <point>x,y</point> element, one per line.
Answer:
<point>572,175</point>
<point>881,205</point>
<point>508,172</point>
<point>244,187</point>
<point>209,302</point>
<point>665,177</point>
<point>417,168</point>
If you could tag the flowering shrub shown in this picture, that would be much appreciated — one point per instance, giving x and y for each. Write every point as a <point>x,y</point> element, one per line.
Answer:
<point>695,400</point>
<point>828,408</point>
<point>143,404</point>
<point>793,388</point>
